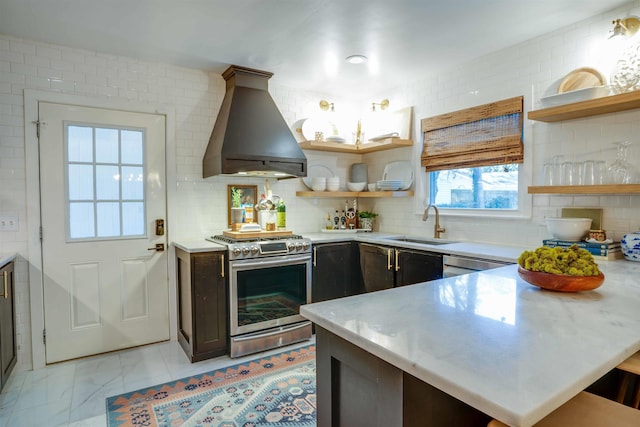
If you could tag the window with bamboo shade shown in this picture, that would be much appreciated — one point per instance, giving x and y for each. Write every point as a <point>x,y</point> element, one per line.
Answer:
<point>485,135</point>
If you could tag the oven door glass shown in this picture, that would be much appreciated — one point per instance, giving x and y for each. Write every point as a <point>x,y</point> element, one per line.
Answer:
<point>268,294</point>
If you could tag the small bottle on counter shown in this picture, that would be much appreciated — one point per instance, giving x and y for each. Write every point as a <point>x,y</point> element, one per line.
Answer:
<point>336,221</point>
<point>343,221</point>
<point>281,216</point>
<point>328,224</point>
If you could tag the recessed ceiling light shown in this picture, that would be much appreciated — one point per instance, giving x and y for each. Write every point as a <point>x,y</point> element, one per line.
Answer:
<point>356,59</point>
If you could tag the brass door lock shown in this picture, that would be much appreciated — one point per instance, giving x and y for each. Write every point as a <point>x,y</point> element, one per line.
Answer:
<point>159,227</point>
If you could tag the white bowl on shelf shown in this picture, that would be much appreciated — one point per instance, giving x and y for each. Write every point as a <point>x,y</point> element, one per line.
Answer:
<point>356,186</point>
<point>569,229</point>
<point>318,184</point>
<point>333,183</point>
<point>372,186</point>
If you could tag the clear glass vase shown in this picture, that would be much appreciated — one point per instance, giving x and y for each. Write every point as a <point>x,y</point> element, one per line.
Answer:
<point>621,171</point>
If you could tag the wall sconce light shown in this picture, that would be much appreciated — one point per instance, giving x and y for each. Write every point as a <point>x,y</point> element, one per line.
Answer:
<point>625,27</point>
<point>326,105</point>
<point>384,104</point>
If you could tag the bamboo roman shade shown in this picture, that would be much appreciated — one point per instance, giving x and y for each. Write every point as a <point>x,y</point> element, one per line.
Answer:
<point>485,135</point>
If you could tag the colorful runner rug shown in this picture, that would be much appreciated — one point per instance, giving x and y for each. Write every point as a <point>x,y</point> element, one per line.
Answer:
<point>276,391</point>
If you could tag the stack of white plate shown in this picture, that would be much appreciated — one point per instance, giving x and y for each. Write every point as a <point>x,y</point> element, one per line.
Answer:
<point>390,184</point>
<point>401,172</point>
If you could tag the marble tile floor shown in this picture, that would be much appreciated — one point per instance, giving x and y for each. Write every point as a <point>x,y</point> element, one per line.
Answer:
<point>72,394</point>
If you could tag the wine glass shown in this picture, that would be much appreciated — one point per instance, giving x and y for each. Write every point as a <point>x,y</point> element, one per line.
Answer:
<point>621,171</point>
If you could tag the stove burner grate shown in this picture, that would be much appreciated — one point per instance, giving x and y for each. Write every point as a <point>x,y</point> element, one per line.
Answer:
<point>230,240</point>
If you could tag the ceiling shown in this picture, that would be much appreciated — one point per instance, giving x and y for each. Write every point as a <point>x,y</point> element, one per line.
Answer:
<point>303,42</point>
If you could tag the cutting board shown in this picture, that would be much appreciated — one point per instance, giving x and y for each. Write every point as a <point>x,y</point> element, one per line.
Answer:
<point>256,234</point>
<point>581,78</point>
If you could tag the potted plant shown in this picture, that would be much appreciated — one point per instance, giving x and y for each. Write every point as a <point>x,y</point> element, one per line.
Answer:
<point>237,211</point>
<point>366,219</point>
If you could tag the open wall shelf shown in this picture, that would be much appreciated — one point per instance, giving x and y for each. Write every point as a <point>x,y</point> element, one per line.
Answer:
<point>586,189</point>
<point>592,107</point>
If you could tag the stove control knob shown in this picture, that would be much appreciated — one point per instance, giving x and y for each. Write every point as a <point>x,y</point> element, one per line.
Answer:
<point>245,250</point>
<point>291,246</point>
<point>236,251</point>
<point>305,245</point>
<point>298,246</point>
<point>254,249</point>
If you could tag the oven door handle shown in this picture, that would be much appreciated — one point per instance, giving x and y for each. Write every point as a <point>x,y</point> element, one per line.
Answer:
<point>271,333</point>
<point>275,261</point>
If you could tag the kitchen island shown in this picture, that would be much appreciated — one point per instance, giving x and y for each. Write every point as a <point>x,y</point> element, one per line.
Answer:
<point>487,342</point>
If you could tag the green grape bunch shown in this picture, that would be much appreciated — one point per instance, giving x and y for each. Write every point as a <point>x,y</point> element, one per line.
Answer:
<point>572,261</point>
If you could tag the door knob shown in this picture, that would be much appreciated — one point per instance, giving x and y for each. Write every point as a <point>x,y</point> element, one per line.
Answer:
<point>159,247</point>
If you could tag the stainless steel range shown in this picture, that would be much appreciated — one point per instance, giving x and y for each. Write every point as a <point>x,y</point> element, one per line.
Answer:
<point>269,278</point>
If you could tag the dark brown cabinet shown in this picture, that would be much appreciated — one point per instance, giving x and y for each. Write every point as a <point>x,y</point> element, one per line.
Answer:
<point>335,272</point>
<point>202,304</point>
<point>385,267</point>
<point>412,266</point>
<point>356,388</point>
<point>8,354</point>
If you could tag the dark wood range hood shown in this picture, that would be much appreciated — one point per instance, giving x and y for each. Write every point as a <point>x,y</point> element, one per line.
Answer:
<point>250,137</point>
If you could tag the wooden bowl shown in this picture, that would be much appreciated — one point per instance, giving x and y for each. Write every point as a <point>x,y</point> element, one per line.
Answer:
<point>561,282</point>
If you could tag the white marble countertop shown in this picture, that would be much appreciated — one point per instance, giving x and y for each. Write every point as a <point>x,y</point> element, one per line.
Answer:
<point>472,249</point>
<point>492,340</point>
<point>6,259</point>
<point>198,245</point>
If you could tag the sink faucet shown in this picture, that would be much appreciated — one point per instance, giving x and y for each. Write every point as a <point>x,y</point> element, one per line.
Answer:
<point>437,230</point>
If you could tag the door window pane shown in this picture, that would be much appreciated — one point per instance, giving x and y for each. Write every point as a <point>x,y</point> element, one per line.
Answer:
<point>81,221</point>
<point>107,147</point>
<point>132,180</point>
<point>132,147</point>
<point>133,219</point>
<point>80,182</point>
<point>113,194</point>
<point>80,144</point>
<point>108,219</point>
<point>107,182</point>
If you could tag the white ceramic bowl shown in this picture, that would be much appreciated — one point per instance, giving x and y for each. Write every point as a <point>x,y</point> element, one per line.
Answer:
<point>318,184</point>
<point>333,183</point>
<point>570,229</point>
<point>356,186</point>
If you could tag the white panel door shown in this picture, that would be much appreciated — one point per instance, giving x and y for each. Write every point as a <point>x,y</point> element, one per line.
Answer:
<point>103,186</point>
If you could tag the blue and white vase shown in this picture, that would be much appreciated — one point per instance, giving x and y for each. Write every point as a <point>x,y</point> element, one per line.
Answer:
<point>631,246</point>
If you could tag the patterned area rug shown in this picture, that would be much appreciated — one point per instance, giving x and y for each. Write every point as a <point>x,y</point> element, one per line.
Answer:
<point>276,391</point>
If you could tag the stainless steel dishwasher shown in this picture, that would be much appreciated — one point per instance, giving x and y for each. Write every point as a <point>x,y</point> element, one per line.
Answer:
<point>456,265</point>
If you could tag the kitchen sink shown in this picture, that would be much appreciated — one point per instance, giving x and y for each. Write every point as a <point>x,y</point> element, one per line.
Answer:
<point>422,240</point>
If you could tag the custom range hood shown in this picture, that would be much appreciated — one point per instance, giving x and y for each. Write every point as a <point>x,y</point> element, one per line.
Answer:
<point>250,136</point>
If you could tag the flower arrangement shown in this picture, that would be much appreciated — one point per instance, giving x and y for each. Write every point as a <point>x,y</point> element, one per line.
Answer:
<point>236,197</point>
<point>365,219</point>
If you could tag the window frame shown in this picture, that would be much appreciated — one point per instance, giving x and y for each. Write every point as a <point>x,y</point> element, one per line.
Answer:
<point>95,201</point>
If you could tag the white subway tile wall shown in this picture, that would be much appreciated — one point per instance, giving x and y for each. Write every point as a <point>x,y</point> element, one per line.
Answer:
<point>532,69</point>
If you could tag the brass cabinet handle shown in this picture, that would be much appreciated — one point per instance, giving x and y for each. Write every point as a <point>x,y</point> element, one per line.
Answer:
<point>314,256</point>
<point>222,267</point>
<point>397,256</point>
<point>389,252</point>
<point>5,275</point>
